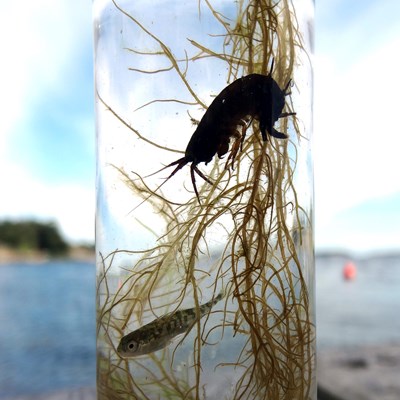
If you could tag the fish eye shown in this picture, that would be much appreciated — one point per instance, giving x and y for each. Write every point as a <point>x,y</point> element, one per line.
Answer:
<point>131,345</point>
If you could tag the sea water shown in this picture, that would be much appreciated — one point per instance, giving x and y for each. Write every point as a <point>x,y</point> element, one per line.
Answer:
<point>362,311</point>
<point>47,327</point>
<point>47,318</point>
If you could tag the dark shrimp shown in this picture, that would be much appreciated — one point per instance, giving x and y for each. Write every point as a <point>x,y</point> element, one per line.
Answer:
<point>255,96</point>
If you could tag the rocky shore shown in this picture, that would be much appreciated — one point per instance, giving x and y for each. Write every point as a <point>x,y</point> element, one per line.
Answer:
<point>362,373</point>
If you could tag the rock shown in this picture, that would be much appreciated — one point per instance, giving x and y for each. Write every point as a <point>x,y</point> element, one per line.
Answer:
<point>364,373</point>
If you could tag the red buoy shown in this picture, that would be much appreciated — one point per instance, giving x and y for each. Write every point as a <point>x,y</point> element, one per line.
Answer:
<point>349,271</point>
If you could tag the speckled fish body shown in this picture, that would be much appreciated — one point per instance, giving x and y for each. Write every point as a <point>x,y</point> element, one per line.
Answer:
<point>159,333</point>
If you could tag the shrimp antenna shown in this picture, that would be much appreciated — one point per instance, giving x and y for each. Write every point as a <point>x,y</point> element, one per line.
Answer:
<point>272,66</point>
<point>181,163</point>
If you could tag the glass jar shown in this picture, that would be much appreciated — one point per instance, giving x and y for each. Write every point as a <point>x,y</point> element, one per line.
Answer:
<point>204,223</point>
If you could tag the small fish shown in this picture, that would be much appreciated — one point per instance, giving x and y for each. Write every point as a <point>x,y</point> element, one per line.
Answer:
<point>159,333</point>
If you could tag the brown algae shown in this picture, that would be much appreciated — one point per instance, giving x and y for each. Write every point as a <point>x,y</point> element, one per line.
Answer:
<point>258,342</point>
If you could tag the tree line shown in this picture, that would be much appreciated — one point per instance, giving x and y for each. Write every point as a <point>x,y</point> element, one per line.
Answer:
<point>32,235</point>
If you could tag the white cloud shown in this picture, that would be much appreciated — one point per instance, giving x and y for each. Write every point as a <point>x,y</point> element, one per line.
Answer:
<point>356,137</point>
<point>39,41</point>
<point>70,205</point>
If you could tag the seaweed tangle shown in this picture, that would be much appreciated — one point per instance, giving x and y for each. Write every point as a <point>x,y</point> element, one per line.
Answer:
<point>266,312</point>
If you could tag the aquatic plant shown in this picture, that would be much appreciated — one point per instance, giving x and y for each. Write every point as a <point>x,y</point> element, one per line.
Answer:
<point>260,338</point>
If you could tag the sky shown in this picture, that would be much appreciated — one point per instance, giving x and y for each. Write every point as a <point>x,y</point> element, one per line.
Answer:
<point>47,141</point>
<point>356,138</point>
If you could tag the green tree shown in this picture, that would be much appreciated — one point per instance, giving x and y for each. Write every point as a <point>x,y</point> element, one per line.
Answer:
<point>32,235</point>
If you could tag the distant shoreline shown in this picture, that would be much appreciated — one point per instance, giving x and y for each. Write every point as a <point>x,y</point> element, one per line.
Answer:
<point>9,255</point>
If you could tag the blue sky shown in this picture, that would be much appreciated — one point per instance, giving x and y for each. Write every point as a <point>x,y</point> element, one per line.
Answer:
<point>47,148</point>
<point>357,183</point>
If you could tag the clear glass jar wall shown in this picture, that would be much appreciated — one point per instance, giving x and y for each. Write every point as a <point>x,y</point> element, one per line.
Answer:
<point>204,224</point>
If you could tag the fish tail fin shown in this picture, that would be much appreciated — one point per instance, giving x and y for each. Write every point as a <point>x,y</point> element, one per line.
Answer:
<point>220,296</point>
<point>207,306</point>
